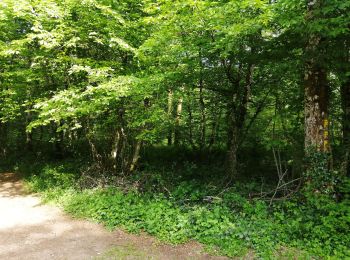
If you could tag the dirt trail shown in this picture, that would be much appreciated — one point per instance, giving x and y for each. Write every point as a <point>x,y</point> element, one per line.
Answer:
<point>30,230</point>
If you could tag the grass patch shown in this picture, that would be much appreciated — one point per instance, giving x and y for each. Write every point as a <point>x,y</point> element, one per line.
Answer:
<point>123,252</point>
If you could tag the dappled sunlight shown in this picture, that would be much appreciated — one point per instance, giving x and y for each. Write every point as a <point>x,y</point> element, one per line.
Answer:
<point>54,238</point>
<point>19,211</point>
<point>215,127</point>
<point>30,229</point>
<point>58,239</point>
<point>10,185</point>
<point>17,208</point>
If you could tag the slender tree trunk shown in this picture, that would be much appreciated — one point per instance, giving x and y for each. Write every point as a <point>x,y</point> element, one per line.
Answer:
<point>229,126</point>
<point>115,148</point>
<point>203,117</point>
<point>29,135</point>
<point>94,153</point>
<point>138,143</point>
<point>135,156</point>
<point>122,160</point>
<point>245,96</point>
<point>232,151</point>
<point>201,104</point>
<point>170,115</point>
<point>190,127</point>
<point>214,128</point>
<point>118,154</point>
<point>178,121</point>
<point>3,136</point>
<point>29,141</point>
<point>59,141</point>
<point>345,99</point>
<point>232,110</point>
<point>238,117</point>
<point>345,92</point>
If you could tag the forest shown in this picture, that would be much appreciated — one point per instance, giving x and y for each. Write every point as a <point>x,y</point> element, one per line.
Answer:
<point>226,122</point>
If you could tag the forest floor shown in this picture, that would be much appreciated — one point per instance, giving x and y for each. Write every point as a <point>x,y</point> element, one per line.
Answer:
<point>31,230</point>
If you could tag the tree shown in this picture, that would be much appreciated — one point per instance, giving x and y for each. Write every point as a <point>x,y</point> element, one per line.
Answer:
<point>111,79</point>
<point>316,89</point>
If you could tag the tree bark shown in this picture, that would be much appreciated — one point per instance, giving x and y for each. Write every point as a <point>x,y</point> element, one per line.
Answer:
<point>345,92</point>
<point>115,148</point>
<point>3,136</point>
<point>170,115</point>
<point>316,109</point>
<point>233,149</point>
<point>344,69</point>
<point>203,117</point>
<point>214,128</point>
<point>190,126</point>
<point>239,106</point>
<point>245,96</point>
<point>177,135</point>
<point>29,135</point>
<point>136,156</point>
<point>316,91</point>
<point>59,139</point>
<point>119,155</point>
<point>201,104</point>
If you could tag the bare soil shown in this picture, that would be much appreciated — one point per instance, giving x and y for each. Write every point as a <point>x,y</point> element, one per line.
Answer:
<point>31,230</point>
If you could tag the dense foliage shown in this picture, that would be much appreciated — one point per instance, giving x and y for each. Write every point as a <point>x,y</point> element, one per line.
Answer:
<point>229,222</point>
<point>226,121</point>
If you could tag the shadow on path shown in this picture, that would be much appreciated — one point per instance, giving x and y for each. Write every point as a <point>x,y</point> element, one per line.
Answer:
<point>29,230</point>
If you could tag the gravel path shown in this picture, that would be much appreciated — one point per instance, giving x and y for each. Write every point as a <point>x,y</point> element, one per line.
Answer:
<point>30,230</point>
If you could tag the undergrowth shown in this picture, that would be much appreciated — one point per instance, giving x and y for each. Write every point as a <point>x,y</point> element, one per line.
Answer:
<point>304,227</point>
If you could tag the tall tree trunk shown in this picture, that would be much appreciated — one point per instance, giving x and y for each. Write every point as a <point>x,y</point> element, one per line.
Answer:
<point>203,117</point>
<point>29,135</point>
<point>243,106</point>
<point>190,126</point>
<point>119,154</point>
<point>177,135</point>
<point>238,117</point>
<point>170,115</point>
<point>136,155</point>
<point>59,138</point>
<point>344,76</point>
<point>138,143</point>
<point>115,148</point>
<point>316,109</point>
<point>232,162</point>
<point>316,91</point>
<point>345,92</point>
<point>214,128</point>
<point>201,104</point>
<point>3,137</point>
